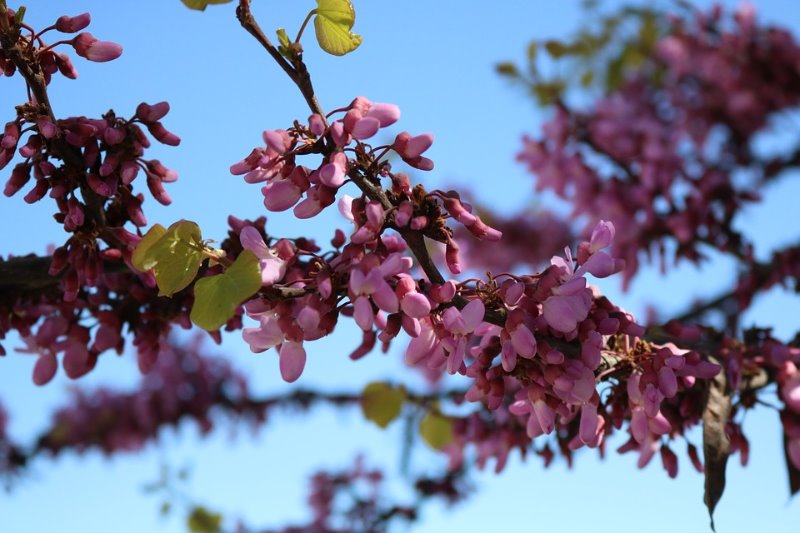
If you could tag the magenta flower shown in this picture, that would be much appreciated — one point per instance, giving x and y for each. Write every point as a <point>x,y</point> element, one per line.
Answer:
<point>292,360</point>
<point>364,287</point>
<point>67,24</point>
<point>273,268</point>
<point>569,305</point>
<point>90,48</point>
<point>267,335</point>
<point>460,325</point>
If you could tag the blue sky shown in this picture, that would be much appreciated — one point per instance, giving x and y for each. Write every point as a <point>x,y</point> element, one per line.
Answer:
<point>435,60</point>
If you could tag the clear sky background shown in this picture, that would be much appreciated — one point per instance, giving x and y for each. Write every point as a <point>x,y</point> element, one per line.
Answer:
<point>435,60</point>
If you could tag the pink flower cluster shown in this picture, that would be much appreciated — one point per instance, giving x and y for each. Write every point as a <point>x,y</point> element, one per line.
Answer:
<point>182,385</point>
<point>45,56</point>
<point>672,148</point>
<point>370,269</point>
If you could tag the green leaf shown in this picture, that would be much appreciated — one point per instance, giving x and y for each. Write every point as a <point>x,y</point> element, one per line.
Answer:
<point>556,49</point>
<point>284,44</point>
<point>201,5</point>
<point>217,297</point>
<point>381,402</point>
<point>140,260</point>
<point>283,39</point>
<point>436,430</point>
<point>201,520</point>
<point>333,23</point>
<point>175,257</point>
<point>507,68</point>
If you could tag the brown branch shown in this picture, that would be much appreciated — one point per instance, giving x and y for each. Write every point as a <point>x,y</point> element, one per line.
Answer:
<point>28,276</point>
<point>297,73</point>
<point>301,78</point>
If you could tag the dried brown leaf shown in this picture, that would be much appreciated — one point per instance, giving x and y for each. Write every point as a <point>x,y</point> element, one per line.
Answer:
<point>716,446</point>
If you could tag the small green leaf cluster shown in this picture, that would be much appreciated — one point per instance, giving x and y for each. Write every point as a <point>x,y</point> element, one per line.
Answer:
<point>175,255</point>
<point>599,55</point>
<point>382,403</point>
<point>333,24</point>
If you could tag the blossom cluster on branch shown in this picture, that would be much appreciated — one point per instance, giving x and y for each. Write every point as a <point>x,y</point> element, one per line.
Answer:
<point>663,162</point>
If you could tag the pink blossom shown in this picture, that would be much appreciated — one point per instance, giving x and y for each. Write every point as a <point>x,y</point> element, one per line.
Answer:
<point>67,24</point>
<point>292,360</point>
<point>273,268</point>
<point>460,325</point>
<point>90,48</point>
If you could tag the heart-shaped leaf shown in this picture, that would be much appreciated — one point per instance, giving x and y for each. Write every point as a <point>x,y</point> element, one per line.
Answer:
<point>381,402</point>
<point>139,259</point>
<point>436,430</point>
<point>217,297</point>
<point>174,254</point>
<point>333,23</point>
<point>201,5</point>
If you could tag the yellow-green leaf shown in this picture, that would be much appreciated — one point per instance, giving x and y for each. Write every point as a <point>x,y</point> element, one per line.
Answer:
<point>217,297</point>
<point>201,520</point>
<point>334,20</point>
<point>507,68</point>
<point>436,430</point>
<point>200,5</point>
<point>556,49</point>
<point>140,260</point>
<point>175,257</point>
<point>381,402</point>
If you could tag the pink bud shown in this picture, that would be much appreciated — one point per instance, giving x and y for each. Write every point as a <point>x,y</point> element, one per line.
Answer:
<point>163,135</point>
<point>66,24</point>
<point>545,415</point>
<point>588,424</point>
<point>667,382</point>
<point>444,293</point>
<point>523,341</point>
<point>316,124</point>
<point>44,369</point>
<point>278,140</point>
<point>19,177</point>
<point>639,423</point>
<point>280,195</point>
<point>508,356</point>
<point>451,256</point>
<point>417,145</point>
<point>10,136</point>
<point>415,305</point>
<point>292,360</point>
<point>158,191</point>
<point>333,174</point>
<point>365,128</point>
<point>386,114</point>
<point>152,113</point>
<point>363,313</point>
<point>90,48</point>
<point>65,66</point>
<point>340,136</point>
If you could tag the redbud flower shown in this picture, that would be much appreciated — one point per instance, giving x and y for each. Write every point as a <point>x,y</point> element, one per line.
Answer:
<point>67,24</point>
<point>292,360</point>
<point>152,113</point>
<point>273,268</point>
<point>44,369</point>
<point>90,48</point>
